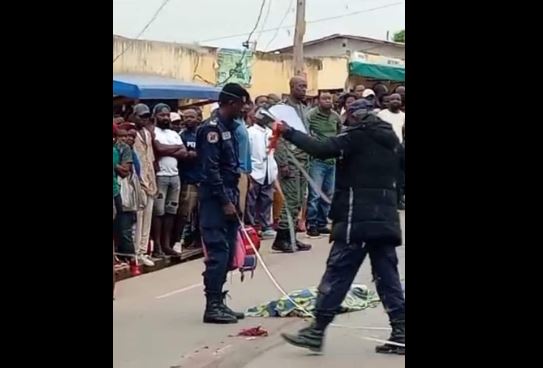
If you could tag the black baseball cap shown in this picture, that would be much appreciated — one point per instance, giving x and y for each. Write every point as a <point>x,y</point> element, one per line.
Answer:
<point>232,92</point>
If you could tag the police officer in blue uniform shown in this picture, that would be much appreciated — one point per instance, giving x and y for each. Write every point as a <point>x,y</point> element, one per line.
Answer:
<point>365,220</point>
<point>218,195</point>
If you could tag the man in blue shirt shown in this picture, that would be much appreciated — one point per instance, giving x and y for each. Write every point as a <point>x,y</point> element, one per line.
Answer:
<point>244,149</point>
<point>189,174</point>
<point>218,194</point>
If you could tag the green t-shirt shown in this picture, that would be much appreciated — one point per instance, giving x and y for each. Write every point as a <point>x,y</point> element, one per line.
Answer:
<point>116,161</point>
<point>122,154</point>
<point>323,125</point>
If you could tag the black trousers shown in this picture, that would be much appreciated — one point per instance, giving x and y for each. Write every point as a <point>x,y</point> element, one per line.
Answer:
<point>219,235</point>
<point>122,229</point>
<point>341,268</point>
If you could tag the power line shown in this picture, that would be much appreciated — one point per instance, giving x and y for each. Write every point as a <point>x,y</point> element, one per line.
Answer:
<point>257,20</point>
<point>231,72</point>
<point>153,18</point>
<point>264,22</point>
<point>308,22</point>
<point>279,27</point>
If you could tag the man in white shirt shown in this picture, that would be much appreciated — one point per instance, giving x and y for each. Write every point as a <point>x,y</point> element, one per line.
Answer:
<point>169,148</point>
<point>393,115</point>
<point>263,174</point>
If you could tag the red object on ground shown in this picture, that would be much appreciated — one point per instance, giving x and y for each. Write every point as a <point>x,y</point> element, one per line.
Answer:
<point>254,331</point>
<point>135,269</point>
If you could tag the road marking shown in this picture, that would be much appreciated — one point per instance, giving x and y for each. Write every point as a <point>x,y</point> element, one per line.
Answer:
<point>222,350</point>
<point>178,291</point>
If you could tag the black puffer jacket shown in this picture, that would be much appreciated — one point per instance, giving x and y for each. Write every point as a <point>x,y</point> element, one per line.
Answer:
<point>364,207</point>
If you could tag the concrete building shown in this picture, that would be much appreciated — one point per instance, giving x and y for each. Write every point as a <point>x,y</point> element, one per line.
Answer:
<point>338,45</point>
<point>270,73</point>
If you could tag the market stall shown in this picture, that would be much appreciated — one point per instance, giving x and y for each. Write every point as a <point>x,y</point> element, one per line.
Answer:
<point>392,73</point>
<point>370,69</point>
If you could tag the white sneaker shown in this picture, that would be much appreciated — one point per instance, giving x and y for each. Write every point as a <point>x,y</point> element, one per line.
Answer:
<point>146,260</point>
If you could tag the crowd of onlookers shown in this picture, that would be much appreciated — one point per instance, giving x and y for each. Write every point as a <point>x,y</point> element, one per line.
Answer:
<point>156,173</point>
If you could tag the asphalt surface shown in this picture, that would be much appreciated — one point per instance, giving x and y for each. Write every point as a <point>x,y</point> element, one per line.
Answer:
<point>157,319</point>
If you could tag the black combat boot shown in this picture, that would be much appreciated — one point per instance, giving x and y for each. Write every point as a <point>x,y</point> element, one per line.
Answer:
<point>238,315</point>
<point>282,242</point>
<point>397,336</point>
<point>215,313</point>
<point>310,338</point>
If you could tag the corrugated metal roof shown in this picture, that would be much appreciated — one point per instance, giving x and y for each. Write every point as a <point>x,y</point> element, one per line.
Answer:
<point>350,37</point>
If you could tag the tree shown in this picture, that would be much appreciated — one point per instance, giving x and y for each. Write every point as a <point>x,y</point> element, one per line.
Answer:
<point>399,36</point>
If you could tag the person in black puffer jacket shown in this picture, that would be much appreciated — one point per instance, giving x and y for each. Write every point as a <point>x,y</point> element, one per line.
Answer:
<point>365,220</point>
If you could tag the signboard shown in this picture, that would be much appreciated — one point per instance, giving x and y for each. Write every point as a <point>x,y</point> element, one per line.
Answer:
<point>234,66</point>
<point>376,59</point>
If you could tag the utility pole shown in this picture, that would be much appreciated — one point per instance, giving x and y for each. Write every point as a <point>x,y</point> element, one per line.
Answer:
<point>299,32</point>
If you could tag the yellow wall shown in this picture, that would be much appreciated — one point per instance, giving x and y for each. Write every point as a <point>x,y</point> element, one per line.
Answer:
<point>334,73</point>
<point>167,59</point>
<point>270,72</point>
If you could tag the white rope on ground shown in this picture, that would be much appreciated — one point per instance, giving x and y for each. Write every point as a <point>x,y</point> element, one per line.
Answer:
<point>278,286</point>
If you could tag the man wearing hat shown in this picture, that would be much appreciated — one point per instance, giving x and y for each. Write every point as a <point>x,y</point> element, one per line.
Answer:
<point>143,146</point>
<point>218,194</point>
<point>176,122</point>
<point>365,220</point>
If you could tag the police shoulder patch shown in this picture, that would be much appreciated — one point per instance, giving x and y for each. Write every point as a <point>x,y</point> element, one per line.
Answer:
<point>213,137</point>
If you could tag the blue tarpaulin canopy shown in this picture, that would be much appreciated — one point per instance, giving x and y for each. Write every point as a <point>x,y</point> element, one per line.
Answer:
<point>149,87</point>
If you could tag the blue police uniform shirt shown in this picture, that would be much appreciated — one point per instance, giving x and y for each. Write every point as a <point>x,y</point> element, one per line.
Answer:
<point>244,147</point>
<point>217,150</point>
<point>189,170</point>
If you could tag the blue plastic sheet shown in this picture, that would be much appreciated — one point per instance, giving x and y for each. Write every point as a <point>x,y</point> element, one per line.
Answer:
<point>148,87</point>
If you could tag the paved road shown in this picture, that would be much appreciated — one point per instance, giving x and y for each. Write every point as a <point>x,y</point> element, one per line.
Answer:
<point>157,320</point>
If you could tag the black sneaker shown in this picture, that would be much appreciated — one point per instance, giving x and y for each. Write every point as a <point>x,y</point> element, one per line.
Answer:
<point>324,230</point>
<point>157,253</point>
<point>309,338</point>
<point>313,232</point>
